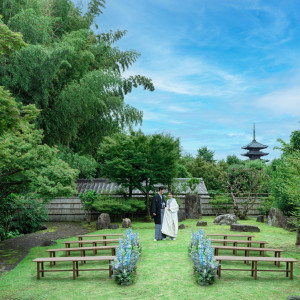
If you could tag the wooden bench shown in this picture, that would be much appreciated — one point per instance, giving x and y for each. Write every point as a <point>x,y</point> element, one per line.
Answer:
<point>82,251</point>
<point>236,242</point>
<point>254,260</point>
<point>247,251</point>
<point>41,269</point>
<point>94,242</point>
<point>249,237</point>
<point>103,235</point>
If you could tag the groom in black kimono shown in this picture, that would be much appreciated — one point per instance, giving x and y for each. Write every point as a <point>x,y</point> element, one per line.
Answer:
<point>158,205</point>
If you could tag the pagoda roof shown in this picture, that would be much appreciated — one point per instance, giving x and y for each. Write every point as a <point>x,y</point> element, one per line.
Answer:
<point>255,153</point>
<point>254,145</point>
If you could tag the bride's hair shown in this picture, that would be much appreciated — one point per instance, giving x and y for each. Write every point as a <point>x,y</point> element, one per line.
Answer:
<point>170,192</point>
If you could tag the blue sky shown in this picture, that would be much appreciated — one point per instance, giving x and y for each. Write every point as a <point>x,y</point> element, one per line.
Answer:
<point>218,66</point>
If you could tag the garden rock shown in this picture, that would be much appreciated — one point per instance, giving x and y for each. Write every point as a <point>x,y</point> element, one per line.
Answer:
<point>293,298</point>
<point>244,228</point>
<point>276,218</point>
<point>192,207</point>
<point>114,226</point>
<point>181,226</point>
<point>126,223</point>
<point>181,215</point>
<point>227,219</point>
<point>48,243</point>
<point>260,218</point>
<point>103,221</point>
<point>201,223</point>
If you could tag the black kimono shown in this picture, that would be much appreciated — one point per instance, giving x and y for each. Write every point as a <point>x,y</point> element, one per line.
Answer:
<point>158,207</point>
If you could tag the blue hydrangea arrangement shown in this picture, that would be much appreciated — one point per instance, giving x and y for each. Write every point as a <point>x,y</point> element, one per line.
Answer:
<point>202,255</point>
<point>127,255</point>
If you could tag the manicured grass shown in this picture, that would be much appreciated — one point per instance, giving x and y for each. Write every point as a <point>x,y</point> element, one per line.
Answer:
<point>164,272</point>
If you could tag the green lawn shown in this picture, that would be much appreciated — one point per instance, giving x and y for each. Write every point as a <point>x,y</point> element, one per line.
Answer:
<point>164,271</point>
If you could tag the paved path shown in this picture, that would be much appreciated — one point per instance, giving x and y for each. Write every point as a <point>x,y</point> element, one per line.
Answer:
<point>12,251</point>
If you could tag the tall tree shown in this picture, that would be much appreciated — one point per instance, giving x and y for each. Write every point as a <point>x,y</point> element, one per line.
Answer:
<point>206,154</point>
<point>72,74</point>
<point>139,161</point>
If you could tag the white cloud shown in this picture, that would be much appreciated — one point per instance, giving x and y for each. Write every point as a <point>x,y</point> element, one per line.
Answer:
<point>286,101</point>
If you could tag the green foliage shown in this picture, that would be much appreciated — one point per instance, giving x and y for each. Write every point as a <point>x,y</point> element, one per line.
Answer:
<point>266,204</point>
<point>119,206</point>
<point>206,154</point>
<point>20,215</point>
<point>9,41</point>
<point>139,161</point>
<point>30,214</point>
<point>88,198</point>
<point>221,203</point>
<point>285,180</point>
<point>73,75</point>
<point>234,160</point>
<point>210,172</point>
<point>86,165</point>
<point>246,182</point>
<point>29,167</point>
<point>36,29</point>
<point>192,184</point>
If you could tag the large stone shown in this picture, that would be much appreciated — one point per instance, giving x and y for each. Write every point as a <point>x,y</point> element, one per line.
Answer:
<point>126,223</point>
<point>181,226</point>
<point>260,218</point>
<point>227,219</point>
<point>244,228</point>
<point>181,215</point>
<point>113,226</point>
<point>276,218</point>
<point>201,223</point>
<point>103,221</point>
<point>293,298</point>
<point>192,206</point>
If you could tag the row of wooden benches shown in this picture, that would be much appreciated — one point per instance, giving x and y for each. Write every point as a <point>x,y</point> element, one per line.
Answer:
<point>82,249</point>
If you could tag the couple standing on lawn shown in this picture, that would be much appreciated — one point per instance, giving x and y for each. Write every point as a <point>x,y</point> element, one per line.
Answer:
<point>165,215</point>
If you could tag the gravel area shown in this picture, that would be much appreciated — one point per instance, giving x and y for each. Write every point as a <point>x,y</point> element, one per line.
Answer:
<point>12,251</point>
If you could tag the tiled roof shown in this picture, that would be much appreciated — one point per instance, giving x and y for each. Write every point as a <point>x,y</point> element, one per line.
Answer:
<point>102,185</point>
<point>255,144</point>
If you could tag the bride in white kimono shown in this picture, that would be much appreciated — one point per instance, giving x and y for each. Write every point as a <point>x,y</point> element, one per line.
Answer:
<point>170,222</point>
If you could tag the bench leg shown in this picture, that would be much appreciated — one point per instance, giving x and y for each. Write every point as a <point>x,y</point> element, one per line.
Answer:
<point>94,251</point>
<point>42,268</point>
<point>51,257</point>
<point>225,238</point>
<point>287,270</point>
<point>255,270</point>
<point>113,251</point>
<point>110,269</point>
<point>81,254</point>
<point>219,269</point>
<point>54,257</point>
<point>77,269</point>
<point>252,268</point>
<point>38,270</point>
<point>278,255</point>
<point>291,271</point>
<point>74,273</point>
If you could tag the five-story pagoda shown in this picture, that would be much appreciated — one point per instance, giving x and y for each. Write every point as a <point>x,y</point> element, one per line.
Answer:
<point>254,148</point>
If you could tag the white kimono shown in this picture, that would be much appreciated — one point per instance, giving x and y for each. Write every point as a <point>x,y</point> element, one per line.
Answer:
<point>170,222</point>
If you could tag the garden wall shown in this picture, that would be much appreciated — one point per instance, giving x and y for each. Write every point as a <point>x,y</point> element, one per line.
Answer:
<point>70,209</point>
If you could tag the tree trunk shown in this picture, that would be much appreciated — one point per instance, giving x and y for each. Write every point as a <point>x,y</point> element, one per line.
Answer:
<point>147,203</point>
<point>298,236</point>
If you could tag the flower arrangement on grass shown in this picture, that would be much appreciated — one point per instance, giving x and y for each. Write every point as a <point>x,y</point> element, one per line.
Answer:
<point>127,255</point>
<point>202,255</point>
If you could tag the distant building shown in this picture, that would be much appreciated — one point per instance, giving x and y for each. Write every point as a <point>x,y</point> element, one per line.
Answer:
<point>254,148</point>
